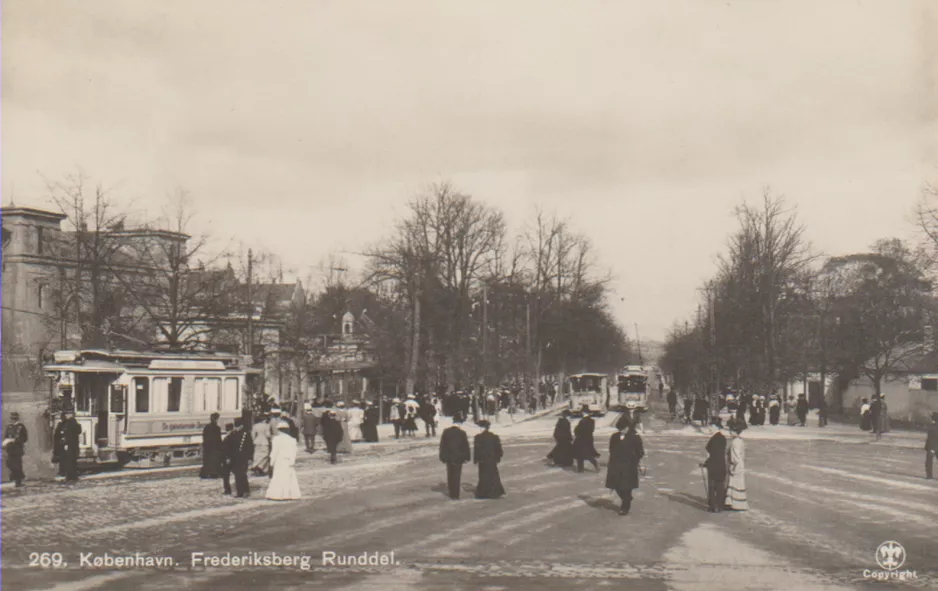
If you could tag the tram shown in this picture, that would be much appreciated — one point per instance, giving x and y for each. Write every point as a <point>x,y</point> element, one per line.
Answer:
<point>590,390</point>
<point>142,410</point>
<point>632,388</point>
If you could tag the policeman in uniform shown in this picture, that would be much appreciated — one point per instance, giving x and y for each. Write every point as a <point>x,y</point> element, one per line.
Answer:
<point>14,442</point>
<point>239,454</point>
<point>66,449</point>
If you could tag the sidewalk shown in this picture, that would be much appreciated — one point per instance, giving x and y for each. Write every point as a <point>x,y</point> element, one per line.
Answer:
<point>387,442</point>
<point>839,432</point>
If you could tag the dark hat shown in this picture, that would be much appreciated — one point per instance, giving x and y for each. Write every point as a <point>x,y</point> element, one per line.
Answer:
<point>717,422</point>
<point>736,425</point>
<point>215,415</point>
<point>484,424</point>
<point>565,413</point>
<point>624,422</point>
<point>15,415</point>
<point>238,422</point>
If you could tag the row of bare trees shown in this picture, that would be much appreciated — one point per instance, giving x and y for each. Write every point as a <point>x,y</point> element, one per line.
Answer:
<point>482,307</point>
<point>449,300</point>
<point>776,310</point>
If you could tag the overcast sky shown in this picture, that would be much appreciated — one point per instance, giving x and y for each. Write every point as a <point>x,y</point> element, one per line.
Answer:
<point>305,127</point>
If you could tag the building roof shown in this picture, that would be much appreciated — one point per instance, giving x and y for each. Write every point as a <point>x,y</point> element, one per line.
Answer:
<point>29,212</point>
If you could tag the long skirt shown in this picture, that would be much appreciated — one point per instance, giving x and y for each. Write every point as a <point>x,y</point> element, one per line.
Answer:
<point>370,432</point>
<point>562,454</point>
<point>773,415</point>
<point>261,458</point>
<point>490,483</point>
<point>284,486</point>
<point>211,464</point>
<point>345,446</point>
<point>736,492</point>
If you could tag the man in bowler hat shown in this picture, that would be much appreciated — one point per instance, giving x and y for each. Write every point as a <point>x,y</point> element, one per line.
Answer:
<point>454,452</point>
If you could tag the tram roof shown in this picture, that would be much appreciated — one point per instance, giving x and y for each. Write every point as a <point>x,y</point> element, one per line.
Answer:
<point>589,375</point>
<point>103,360</point>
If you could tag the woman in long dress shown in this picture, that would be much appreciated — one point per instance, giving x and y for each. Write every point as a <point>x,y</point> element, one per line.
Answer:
<point>487,453</point>
<point>562,454</point>
<point>736,468</point>
<point>626,451</point>
<point>345,446</point>
<point>284,485</point>
<point>355,417</point>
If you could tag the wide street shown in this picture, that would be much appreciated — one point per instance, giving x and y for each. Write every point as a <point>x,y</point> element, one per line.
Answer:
<point>822,501</point>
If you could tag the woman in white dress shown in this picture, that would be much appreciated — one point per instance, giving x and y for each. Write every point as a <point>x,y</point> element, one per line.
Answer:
<point>736,467</point>
<point>355,417</point>
<point>283,486</point>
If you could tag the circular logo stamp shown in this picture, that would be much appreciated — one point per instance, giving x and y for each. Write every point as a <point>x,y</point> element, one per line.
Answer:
<point>890,555</point>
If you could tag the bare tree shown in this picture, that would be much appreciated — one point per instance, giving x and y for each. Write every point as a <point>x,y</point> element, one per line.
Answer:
<point>86,293</point>
<point>180,293</point>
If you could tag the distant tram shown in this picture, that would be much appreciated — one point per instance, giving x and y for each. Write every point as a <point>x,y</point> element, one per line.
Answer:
<point>590,390</point>
<point>148,409</point>
<point>632,388</point>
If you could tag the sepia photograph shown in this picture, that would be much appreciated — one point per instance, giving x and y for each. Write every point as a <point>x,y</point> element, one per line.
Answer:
<point>420,295</point>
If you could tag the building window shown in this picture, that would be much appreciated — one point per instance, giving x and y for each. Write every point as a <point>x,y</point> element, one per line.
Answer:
<point>39,245</point>
<point>142,397</point>
<point>41,296</point>
<point>930,384</point>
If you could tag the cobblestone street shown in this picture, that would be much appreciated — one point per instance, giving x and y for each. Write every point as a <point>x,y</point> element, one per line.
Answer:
<point>820,509</point>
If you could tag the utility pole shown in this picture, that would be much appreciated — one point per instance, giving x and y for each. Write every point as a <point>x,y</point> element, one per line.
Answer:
<point>638,340</point>
<point>250,343</point>
<point>485,333</point>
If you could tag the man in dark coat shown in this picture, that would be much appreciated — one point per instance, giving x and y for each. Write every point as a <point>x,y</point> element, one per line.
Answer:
<point>625,454</point>
<point>716,469</point>
<point>331,432</point>
<point>672,403</point>
<point>584,449</point>
<point>212,453</point>
<point>370,423</point>
<point>822,412</point>
<point>487,453</point>
<point>688,409</point>
<point>743,403</point>
<point>801,409</point>
<point>14,443</point>
<point>562,454</point>
<point>65,452</point>
<point>428,416</point>
<point>310,428</point>
<point>454,452</point>
<point>239,453</point>
<point>931,446</point>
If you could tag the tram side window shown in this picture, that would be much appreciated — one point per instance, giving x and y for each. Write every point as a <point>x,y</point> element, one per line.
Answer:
<point>232,400</point>
<point>175,395</point>
<point>160,388</point>
<point>142,397</point>
<point>208,394</point>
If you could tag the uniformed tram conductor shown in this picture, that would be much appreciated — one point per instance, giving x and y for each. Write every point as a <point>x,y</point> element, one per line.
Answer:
<point>454,452</point>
